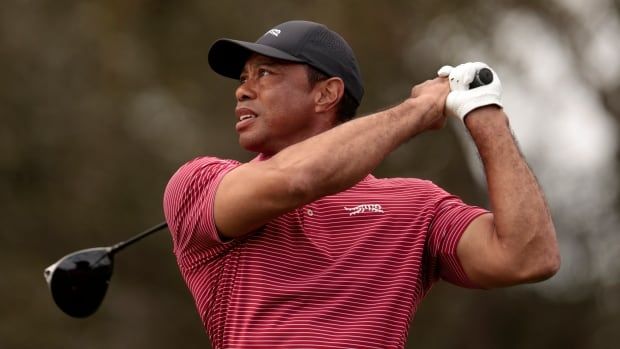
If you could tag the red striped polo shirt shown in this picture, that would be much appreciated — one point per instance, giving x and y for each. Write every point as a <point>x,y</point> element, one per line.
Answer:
<point>345,271</point>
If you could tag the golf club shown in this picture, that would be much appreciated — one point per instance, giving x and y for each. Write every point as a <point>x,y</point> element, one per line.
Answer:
<point>484,76</point>
<point>79,280</point>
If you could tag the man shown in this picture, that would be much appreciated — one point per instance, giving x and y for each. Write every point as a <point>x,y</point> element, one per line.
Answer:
<point>302,247</point>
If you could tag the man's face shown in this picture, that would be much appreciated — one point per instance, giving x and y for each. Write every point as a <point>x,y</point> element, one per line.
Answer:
<point>275,105</point>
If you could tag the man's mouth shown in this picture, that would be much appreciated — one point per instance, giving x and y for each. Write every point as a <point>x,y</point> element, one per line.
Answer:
<point>244,113</point>
<point>246,117</point>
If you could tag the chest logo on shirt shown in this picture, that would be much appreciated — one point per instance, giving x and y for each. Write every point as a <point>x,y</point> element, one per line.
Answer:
<point>359,209</point>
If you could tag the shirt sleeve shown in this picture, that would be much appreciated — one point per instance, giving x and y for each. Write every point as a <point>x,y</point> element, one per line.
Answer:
<point>188,205</point>
<point>451,218</point>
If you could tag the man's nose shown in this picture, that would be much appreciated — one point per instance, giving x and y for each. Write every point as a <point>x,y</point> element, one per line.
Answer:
<point>246,91</point>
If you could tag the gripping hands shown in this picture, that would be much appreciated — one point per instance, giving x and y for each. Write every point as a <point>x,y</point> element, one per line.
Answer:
<point>463,99</point>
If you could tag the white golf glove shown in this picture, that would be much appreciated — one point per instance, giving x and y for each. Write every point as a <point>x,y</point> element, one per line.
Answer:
<point>461,99</point>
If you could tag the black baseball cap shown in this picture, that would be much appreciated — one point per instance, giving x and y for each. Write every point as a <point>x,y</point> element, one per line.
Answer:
<point>295,41</point>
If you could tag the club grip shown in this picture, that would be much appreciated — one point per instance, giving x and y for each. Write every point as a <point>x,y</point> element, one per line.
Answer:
<point>484,76</point>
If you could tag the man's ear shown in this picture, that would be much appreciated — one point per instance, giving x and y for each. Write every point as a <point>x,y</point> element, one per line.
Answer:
<point>329,93</point>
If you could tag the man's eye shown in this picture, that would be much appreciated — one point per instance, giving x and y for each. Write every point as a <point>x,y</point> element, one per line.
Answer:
<point>243,79</point>
<point>263,72</point>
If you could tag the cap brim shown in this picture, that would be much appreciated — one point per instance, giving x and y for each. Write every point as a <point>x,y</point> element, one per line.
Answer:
<point>227,57</point>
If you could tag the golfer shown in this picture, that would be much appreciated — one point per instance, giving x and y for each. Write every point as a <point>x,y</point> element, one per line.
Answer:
<point>302,247</point>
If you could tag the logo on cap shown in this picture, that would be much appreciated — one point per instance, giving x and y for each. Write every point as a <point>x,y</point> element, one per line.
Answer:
<point>274,32</point>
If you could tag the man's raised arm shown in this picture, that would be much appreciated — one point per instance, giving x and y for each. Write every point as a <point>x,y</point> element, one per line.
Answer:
<point>517,243</point>
<point>254,193</point>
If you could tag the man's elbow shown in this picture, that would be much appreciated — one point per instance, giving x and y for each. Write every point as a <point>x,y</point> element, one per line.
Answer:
<point>536,260</point>
<point>546,269</point>
<point>540,267</point>
<point>525,272</point>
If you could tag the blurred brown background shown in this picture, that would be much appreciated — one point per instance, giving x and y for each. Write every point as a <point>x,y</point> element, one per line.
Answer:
<point>101,101</point>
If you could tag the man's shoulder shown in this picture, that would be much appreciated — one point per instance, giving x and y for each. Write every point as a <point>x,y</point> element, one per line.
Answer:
<point>401,188</point>
<point>201,169</point>
<point>396,182</point>
<point>197,176</point>
<point>397,188</point>
<point>210,160</point>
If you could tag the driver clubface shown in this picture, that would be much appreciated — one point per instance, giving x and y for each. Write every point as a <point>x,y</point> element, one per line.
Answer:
<point>79,280</point>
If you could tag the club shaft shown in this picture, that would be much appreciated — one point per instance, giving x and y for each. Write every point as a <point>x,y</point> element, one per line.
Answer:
<point>121,245</point>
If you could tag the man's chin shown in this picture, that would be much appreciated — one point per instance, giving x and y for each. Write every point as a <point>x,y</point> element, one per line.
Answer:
<point>257,147</point>
<point>250,145</point>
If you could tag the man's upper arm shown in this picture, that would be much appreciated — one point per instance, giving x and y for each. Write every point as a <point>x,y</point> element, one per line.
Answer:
<point>208,199</point>
<point>450,219</point>
<point>480,254</point>
<point>253,194</point>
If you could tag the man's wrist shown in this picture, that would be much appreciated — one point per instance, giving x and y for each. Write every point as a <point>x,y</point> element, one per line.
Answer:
<point>486,116</point>
<point>423,111</point>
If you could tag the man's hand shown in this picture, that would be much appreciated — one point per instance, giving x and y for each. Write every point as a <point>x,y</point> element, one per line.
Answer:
<point>462,99</point>
<point>434,92</point>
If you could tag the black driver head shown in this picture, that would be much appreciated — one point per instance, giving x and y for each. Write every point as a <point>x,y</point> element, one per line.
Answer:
<point>79,280</point>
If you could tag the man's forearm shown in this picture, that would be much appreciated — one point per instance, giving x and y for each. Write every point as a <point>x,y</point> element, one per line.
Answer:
<point>340,157</point>
<point>523,225</point>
